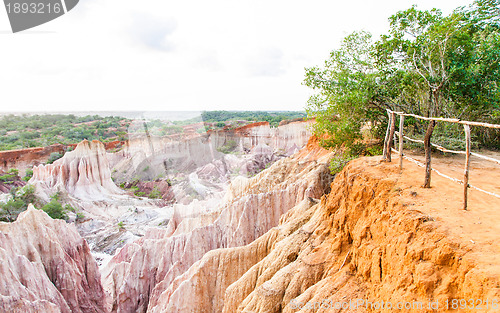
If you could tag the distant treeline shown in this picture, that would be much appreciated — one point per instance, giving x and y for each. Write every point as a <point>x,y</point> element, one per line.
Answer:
<point>27,131</point>
<point>273,117</point>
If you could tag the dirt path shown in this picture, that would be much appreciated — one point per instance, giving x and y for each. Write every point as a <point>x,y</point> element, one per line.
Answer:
<point>479,226</point>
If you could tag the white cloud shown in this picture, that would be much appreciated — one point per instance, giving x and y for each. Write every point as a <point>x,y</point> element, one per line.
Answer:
<point>154,32</point>
<point>266,62</point>
<point>181,55</point>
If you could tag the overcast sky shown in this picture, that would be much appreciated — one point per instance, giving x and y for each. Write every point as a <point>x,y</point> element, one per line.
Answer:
<point>181,55</point>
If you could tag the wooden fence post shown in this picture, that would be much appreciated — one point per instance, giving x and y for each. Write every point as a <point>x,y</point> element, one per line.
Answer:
<point>386,139</point>
<point>467,163</point>
<point>427,148</point>
<point>401,123</point>
<point>390,142</point>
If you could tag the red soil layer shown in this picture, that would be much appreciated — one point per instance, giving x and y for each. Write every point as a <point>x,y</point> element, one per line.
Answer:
<point>24,158</point>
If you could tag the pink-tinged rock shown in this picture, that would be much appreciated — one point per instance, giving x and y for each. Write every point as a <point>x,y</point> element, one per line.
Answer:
<point>140,274</point>
<point>83,173</point>
<point>47,267</point>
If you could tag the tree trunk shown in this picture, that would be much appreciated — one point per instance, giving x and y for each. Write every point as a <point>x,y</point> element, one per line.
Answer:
<point>390,141</point>
<point>427,147</point>
<point>386,140</point>
<point>467,163</point>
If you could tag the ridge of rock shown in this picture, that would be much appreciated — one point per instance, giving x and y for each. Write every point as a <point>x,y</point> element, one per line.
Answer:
<point>83,173</point>
<point>48,267</point>
<point>361,241</point>
<point>140,273</point>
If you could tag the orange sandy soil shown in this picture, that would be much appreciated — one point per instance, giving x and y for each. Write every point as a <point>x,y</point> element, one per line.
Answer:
<point>479,226</point>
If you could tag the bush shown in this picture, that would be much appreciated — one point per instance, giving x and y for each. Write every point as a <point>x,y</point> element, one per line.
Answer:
<point>10,210</point>
<point>338,162</point>
<point>27,195</point>
<point>7,178</point>
<point>13,171</point>
<point>28,174</point>
<point>55,210</point>
<point>54,156</point>
<point>228,147</point>
<point>21,198</point>
<point>375,150</point>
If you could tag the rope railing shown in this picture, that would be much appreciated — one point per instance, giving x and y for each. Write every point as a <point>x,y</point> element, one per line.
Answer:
<point>390,137</point>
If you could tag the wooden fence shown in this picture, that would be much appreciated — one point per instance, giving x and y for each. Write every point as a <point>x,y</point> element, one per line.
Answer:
<point>390,137</point>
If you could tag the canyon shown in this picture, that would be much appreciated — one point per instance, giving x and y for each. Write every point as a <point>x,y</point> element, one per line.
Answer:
<point>264,228</point>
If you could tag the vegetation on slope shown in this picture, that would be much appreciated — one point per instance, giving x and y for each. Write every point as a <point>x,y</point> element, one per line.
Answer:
<point>20,198</point>
<point>428,64</point>
<point>26,131</point>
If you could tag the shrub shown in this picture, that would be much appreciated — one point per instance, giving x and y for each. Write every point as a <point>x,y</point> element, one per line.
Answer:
<point>19,203</point>
<point>54,156</point>
<point>228,147</point>
<point>10,210</point>
<point>55,210</point>
<point>28,174</point>
<point>27,195</point>
<point>13,171</point>
<point>7,178</point>
<point>338,162</point>
<point>69,208</point>
<point>10,176</point>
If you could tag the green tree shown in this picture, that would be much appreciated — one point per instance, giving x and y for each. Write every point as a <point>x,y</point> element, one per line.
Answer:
<point>19,202</point>
<point>348,92</point>
<point>55,210</point>
<point>28,174</point>
<point>427,64</point>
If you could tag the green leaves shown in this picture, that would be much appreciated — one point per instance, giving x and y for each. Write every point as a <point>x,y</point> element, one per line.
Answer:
<point>349,91</point>
<point>55,210</point>
<point>427,64</point>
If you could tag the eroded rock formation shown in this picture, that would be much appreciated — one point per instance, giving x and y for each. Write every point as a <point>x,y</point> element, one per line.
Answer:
<point>362,242</point>
<point>83,173</point>
<point>141,273</point>
<point>47,267</point>
<point>25,158</point>
<point>279,242</point>
<point>147,156</point>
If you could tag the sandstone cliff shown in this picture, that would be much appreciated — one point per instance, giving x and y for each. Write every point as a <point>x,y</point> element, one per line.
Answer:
<point>141,273</point>
<point>83,173</point>
<point>285,240</point>
<point>23,159</point>
<point>47,267</point>
<point>370,239</point>
<point>26,158</point>
<point>147,156</point>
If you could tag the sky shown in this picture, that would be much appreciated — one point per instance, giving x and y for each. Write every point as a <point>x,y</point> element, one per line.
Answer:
<point>164,55</point>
